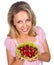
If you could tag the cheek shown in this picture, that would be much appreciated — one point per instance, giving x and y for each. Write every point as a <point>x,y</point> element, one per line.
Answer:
<point>18,27</point>
<point>30,25</point>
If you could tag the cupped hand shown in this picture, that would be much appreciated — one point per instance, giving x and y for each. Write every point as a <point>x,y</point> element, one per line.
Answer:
<point>19,58</point>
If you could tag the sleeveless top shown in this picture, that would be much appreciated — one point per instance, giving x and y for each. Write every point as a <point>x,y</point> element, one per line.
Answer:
<point>11,44</point>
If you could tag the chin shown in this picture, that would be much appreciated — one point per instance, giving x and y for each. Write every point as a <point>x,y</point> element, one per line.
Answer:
<point>26,33</point>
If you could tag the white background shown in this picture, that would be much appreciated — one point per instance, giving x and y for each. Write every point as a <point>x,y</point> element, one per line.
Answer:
<point>44,11</point>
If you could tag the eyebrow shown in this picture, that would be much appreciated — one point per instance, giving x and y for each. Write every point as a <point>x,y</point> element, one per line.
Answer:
<point>19,21</point>
<point>28,19</point>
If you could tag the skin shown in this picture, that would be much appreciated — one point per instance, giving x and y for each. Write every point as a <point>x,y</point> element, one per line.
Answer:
<point>23,25</point>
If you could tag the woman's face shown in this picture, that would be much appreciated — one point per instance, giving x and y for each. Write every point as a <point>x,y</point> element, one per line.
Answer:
<point>22,22</point>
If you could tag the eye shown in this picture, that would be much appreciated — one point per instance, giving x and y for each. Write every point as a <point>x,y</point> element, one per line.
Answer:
<point>19,21</point>
<point>28,20</point>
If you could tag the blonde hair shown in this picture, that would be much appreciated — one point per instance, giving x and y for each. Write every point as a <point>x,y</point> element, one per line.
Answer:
<point>14,9</point>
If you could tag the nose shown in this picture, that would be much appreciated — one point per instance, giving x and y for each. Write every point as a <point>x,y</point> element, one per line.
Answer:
<point>24,25</point>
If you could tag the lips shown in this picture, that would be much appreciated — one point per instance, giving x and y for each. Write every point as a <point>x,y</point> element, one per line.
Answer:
<point>25,30</point>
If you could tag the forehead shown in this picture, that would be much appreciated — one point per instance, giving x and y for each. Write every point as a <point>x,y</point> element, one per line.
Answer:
<point>21,15</point>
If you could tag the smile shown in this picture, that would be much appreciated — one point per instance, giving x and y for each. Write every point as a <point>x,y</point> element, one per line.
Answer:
<point>24,30</point>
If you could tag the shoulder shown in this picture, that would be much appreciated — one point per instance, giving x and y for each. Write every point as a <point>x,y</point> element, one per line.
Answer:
<point>8,39</point>
<point>39,30</point>
<point>9,42</point>
<point>41,33</point>
<point>10,45</point>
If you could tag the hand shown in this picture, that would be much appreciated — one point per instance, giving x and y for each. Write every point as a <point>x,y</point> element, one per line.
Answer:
<point>19,58</point>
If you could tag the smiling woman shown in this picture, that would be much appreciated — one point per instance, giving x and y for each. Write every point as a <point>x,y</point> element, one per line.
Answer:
<point>22,23</point>
<point>21,9</point>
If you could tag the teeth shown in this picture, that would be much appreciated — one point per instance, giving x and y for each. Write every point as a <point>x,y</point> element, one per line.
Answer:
<point>24,30</point>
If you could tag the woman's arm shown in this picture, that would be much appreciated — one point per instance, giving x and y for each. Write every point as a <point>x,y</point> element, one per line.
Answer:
<point>12,60</point>
<point>46,55</point>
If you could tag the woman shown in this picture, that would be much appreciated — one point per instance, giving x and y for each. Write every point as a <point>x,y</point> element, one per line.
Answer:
<point>22,22</point>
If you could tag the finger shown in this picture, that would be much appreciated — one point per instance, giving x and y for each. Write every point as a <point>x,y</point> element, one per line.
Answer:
<point>22,59</point>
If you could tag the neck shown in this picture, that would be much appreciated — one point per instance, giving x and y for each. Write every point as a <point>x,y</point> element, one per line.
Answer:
<point>24,36</point>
